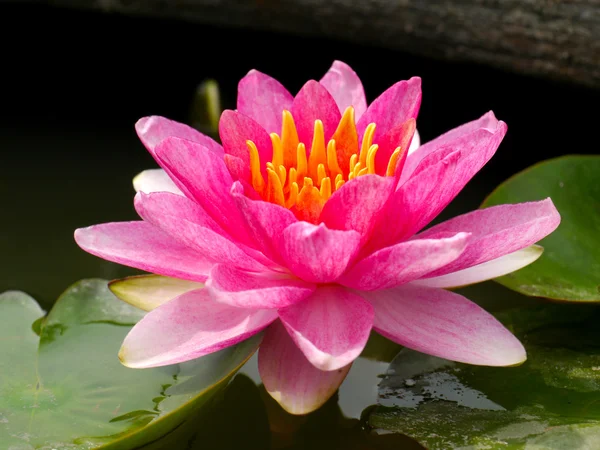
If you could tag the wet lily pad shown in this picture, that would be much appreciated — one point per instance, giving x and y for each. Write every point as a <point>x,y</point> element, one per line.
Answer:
<point>551,401</point>
<point>67,389</point>
<point>569,269</point>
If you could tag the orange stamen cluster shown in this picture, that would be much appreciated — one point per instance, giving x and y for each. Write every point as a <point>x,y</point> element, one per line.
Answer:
<point>304,182</point>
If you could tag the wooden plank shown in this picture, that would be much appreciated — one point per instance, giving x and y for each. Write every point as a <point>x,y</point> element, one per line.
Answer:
<point>559,39</point>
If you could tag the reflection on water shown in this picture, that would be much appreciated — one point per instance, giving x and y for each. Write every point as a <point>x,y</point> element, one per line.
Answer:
<point>358,391</point>
<point>47,193</point>
<point>413,378</point>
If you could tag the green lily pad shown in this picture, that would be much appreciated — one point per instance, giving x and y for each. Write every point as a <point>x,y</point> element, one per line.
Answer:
<point>569,269</point>
<point>67,389</point>
<point>552,401</point>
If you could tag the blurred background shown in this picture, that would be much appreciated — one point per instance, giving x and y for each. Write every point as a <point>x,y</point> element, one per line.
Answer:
<point>75,80</point>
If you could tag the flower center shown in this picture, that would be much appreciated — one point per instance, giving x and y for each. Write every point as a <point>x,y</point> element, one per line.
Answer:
<point>303,181</point>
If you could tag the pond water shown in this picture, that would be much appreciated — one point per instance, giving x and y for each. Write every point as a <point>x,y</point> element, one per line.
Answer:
<point>69,154</point>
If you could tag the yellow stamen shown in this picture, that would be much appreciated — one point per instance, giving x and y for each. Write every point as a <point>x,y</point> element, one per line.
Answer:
<point>366,143</point>
<point>282,175</point>
<point>309,202</point>
<point>326,168</point>
<point>346,139</point>
<point>391,167</point>
<point>291,201</point>
<point>293,175</point>
<point>301,161</point>
<point>317,150</point>
<point>325,189</point>
<point>289,139</point>
<point>277,149</point>
<point>353,161</point>
<point>321,173</point>
<point>258,182</point>
<point>371,158</point>
<point>338,179</point>
<point>332,159</point>
<point>274,188</point>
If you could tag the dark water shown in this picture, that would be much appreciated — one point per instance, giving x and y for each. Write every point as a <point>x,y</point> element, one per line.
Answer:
<point>71,94</point>
<point>74,84</point>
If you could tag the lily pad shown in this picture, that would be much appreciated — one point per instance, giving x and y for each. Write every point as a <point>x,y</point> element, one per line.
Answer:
<point>569,269</point>
<point>67,389</point>
<point>552,401</point>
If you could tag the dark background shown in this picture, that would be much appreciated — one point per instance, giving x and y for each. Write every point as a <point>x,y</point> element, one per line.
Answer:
<point>74,83</point>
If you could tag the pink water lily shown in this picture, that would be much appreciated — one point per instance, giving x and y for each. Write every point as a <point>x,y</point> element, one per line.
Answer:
<point>306,223</point>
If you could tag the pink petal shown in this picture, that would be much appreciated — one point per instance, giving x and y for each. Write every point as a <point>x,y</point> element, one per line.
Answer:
<point>204,175</point>
<point>187,327</point>
<point>297,385</point>
<point>145,247</point>
<point>404,262</point>
<point>263,99</point>
<point>149,206</point>
<point>487,122</point>
<point>235,129</point>
<point>415,203</point>
<point>313,102</point>
<point>357,204</point>
<point>262,290</point>
<point>187,223</point>
<point>315,253</point>
<point>395,106</point>
<point>497,231</point>
<point>444,324</point>
<point>485,271</point>
<point>346,88</point>
<point>155,180</point>
<point>331,327</point>
<point>238,169</point>
<point>426,195</point>
<point>399,136</point>
<point>265,221</point>
<point>153,129</point>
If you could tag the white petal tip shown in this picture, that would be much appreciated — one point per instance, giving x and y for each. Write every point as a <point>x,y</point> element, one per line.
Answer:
<point>306,403</point>
<point>137,181</point>
<point>328,363</point>
<point>154,180</point>
<point>415,143</point>
<point>513,354</point>
<point>300,408</point>
<point>485,271</point>
<point>81,236</point>
<point>148,292</point>
<point>123,358</point>
<point>126,359</point>
<point>514,360</point>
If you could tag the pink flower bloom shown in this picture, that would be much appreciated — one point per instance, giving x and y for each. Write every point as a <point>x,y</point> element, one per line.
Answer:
<point>306,224</point>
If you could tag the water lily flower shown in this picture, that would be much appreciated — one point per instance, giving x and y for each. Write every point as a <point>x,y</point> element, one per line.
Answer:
<point>307,224</point>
